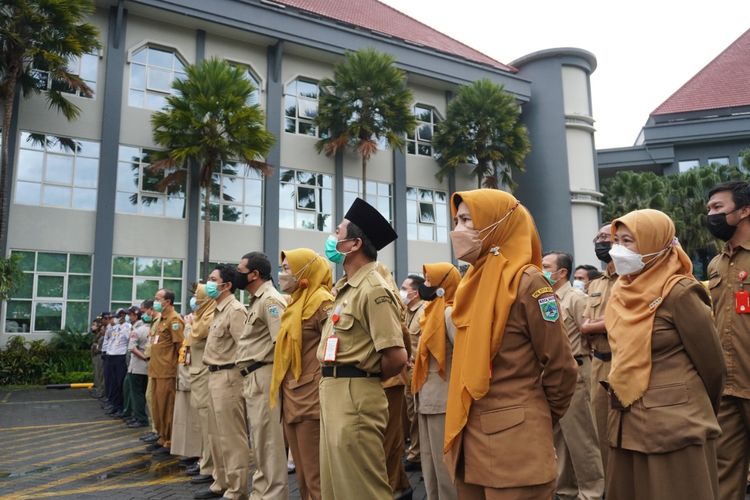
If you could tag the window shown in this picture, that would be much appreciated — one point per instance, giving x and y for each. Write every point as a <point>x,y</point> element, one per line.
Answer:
<point>724,160</point>
<point>420,141</point>
<point>135,279</point>
<point>138,187</point>
<point>301,107</point>
<point>306,200</point>
<point>85,67</point>
<point>152,71</point>
<point>379,195</point>
<point>57,171</point>
<point>426,215</point>
<point>53,294</point>
<point>686,165</point>
<point>237,195</point>
<point>253,78</point>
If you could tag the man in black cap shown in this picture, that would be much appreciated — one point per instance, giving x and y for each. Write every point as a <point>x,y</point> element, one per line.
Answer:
<point>361,344</point>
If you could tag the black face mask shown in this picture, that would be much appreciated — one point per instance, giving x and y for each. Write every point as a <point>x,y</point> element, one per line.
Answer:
<point>719,227</point>
<point>602,248</point>
<point>430,292</point>
<point>240,280</point>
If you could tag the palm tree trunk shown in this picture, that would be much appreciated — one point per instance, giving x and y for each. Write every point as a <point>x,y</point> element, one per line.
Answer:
<point>4,177</point>
<point>207,228</point>
<point>364,178</point>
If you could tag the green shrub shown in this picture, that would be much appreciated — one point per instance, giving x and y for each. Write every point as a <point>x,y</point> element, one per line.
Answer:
<point>34,362</point>
<point>70,378</point>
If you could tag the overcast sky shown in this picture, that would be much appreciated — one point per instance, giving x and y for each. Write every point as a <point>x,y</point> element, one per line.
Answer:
<point>645,50</point>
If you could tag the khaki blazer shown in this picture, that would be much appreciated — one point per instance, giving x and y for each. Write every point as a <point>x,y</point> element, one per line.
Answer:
<point>433,395</point>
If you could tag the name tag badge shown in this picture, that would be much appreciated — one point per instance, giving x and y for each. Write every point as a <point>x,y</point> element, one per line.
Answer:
<point>156,339</point>
<point>742,302</point>
<point>332,347</point>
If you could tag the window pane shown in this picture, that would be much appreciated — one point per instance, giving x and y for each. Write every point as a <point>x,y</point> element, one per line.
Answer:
<point>80,263</point>
<point>122,289</point>
<point>305,220</point>
<point>290,125</point>
<point>28,193</point>
<point>79,287</point>
<point>307,89</point>
<point>253,216</point>
<point>411,211</point>
<point>152,205</point>
<point>306,198</point>
<point>26,259</point>
<point>145,266</point>
<point>422,113</point>
<point>145,289</point>
<point>231,189</point>
<point>89,66</point>
<point>176,287</point>
<point>426,213</point>
<point>425,232</point>
<point>87,170</point>
<point>51,262</point>
<point>59,169</point>
<point>155,101</point>
<point>56,196</point>
<point>411,148</point>
<point>441,215</point>
<point>84,199</point>
<point>25,288</point>
<point>135,98</point>
<point>442,234</point>
<point>125,203</point>
<point>286,219</point>
<point>424,150</point>
<point>326,196</point>
<point>18,317</point>
<point>48,316</point>
<point>159,79</point>
<point>351,184</point>
<point>49,286</point>
<point>157,57</point>
<point>253,192</point>
<point>77,316</point>
<point>231,213</point>
<point>305,178</point>
<point>175,207</point>
<point>325,180</point>
<point>290,106</point>
<point>123,265</point>
<point>173,268</point>
<point>286,196</point>
<point>306,109</point>
<point>411,231</point>
<point>30,165</point>
<point>307,128</point>
<point>30,141</point>
<point>140,56</point>
<point>137,77</point>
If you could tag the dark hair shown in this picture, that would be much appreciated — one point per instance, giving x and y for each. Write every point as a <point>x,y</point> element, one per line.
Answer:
<point>563,261</point>
<point>228,273</point>
<point>147,304</point>
<point>416,280</point>
<point>258,261</point>
<point>591,271</point>
<point>368,249</point>
<point>740,192</point>
<point>168,295</point>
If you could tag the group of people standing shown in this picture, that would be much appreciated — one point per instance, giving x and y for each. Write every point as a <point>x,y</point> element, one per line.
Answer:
<point>517,385</point>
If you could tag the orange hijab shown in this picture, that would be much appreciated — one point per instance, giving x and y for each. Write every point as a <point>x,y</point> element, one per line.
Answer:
<point>314,275</point>
<point>630,312</point>
<point>432,341</point>
<point>485,295</point>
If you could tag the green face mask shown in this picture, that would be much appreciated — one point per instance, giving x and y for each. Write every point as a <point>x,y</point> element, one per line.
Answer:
<point>549,277</point>
<point>158,307</point>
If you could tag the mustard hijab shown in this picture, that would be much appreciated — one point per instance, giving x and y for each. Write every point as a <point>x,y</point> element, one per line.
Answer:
<point>485,295</point>
<point>314,276</point>
<point>432,323</point>
<point>630,312</point>
<point>204,315</point>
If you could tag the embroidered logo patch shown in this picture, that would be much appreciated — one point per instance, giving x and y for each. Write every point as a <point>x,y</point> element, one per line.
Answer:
<point>175,326</point>
<point>273,311</point>
<point>550,311</point>
<point>541,291</point>
<point>382,299</point>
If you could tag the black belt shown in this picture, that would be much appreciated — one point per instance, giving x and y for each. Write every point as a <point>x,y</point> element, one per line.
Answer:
<point>346,371</point>
<point>251,368</point>
<point>604,356</point>
<point>216,368</point>
<point>579,359</point>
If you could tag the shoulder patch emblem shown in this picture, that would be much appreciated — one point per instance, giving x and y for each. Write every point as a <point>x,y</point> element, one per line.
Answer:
<point>273,311</point>
<point>175,326</point>
<point>541,291</point>
<point>550,311</point>
<point>382,299</point>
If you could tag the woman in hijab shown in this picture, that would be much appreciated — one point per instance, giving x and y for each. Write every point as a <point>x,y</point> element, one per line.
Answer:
<point>667,367</point>
<point>513,373</point>
<point>432,364</point>
<point>296,371</point>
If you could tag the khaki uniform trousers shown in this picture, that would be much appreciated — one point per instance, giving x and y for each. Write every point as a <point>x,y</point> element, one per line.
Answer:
<point>199,400</point>
<point>162,403</point>
<point>353,417</point>
<point>150,403</point>
<point>271,478</point>
<point>437,481</point>
<point>393,441</point>
<point>600,405</point>
<point>412,454</point>
<point>476,492</point>
<point>304,441</point>
<point>186,431</point>
<point>227,429</point>
<point>733,447</point>
<point>579,463</point>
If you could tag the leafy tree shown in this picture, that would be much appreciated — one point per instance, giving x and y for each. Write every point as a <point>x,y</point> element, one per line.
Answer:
<point>482,130</point>
<point>209,123</point>
<point>628,191</point>
<point>366,102</point>
<point>38,38</point>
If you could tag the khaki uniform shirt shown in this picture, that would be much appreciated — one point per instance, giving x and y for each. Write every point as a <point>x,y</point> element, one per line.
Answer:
<point>262,326</point>
<point>599,292</point>
<point>572,303</point>
<point>165,346</point>
<point>733,328</point>
<point>225,332</point>
<point>368,320</point>
<point>433,395</point>
<point>412,318</point>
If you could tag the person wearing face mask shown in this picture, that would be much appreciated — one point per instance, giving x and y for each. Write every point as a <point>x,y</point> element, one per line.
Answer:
<point>729,221</point>
<point>580,473</point>
<point>137,376</point>
<point>155,317</point>
<point>667,368</point>
<point>595,331</point>
<point>116,351</point>
<point>361,344</point>
<point>432,364</point>
<point>254,357</point>
<point>414,310</point>
<point>306,276</point>
<point>583,276</point>
<point>513,374</point>
<point>200,321</point>
<point>227,421</point>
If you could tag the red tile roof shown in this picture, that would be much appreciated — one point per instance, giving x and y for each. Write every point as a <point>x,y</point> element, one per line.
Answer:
<point>722,83</point>
<point>379,17</point>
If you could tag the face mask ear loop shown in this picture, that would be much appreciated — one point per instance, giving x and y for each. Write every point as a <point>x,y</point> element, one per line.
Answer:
<point>493,226</point>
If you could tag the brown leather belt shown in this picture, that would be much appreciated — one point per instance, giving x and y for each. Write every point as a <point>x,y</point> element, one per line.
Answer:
<point>251,368</point>
<point>346,371</point>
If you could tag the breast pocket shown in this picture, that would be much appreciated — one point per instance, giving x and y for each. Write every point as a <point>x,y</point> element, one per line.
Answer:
<point>217,330</point>
<point>714,282</point>
<point>343,330</point>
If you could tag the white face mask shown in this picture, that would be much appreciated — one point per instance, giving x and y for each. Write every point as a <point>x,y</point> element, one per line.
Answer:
<point>404,296</point>
<point>579,285</point>
<point>627,261</point>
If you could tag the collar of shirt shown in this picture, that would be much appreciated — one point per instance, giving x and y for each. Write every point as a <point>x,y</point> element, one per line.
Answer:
<point>728,251</point>
<point>564,290</point>
<point>417,307</point>
<point>221,305</point>
<point>360,275</point>
<point>262,289</point>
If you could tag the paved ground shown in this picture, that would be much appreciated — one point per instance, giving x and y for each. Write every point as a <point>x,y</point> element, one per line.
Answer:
<point>59,444</point>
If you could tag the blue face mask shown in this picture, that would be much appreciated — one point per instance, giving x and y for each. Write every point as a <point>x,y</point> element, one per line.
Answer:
<point>332,253</point>
<point>146,318</point>
<point>157,306</point>
<point>212,289</point>
<point>193,303</point>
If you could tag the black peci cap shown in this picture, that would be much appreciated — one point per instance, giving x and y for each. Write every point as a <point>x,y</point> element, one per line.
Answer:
<point>371,222</point>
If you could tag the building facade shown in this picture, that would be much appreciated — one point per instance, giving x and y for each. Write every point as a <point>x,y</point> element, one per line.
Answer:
<point>94,233</point>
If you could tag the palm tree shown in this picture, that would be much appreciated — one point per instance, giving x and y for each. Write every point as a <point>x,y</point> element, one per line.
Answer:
<point>38,39</point>
<point>482,130</point>
<point>209,123</point>
<point>366,102</point>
